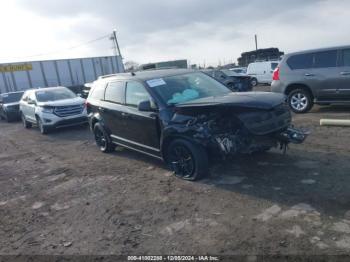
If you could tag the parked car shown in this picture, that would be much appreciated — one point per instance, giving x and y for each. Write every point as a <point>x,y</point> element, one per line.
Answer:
<point>320,76</point>
<point>234,81</point>
<point>52,107</point>
<point>9,106</point>
<point>184,117</point>
<point>261,72</point>
<point>239,70</point>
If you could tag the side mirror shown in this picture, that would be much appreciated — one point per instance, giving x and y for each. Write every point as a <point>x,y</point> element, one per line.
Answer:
<point>145,106</point>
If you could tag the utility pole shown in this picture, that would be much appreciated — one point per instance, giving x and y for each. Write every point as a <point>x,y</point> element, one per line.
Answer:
<point>116,45</point>
<point>256,43</point>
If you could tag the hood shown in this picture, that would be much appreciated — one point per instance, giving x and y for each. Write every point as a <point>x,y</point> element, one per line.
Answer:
<point>259,100</point>
<point>65,102</point>
<point>11,104</point>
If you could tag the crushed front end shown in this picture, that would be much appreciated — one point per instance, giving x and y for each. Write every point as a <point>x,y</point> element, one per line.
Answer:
<point>231,130</point>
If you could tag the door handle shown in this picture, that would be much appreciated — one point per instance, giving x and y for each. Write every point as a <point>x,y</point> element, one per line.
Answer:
<point>308,74</point>
<point>345,73</point>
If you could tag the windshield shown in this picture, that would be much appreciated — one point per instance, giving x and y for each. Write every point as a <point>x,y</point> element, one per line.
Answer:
<point>11,98</point>
<point>54,94</point>
<point>187,87</point>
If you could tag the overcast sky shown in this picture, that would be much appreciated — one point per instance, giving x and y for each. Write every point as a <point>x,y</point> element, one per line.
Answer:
<point>202,31</point>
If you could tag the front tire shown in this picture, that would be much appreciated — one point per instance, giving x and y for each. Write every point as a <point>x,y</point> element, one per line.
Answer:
<point>26,124</point>
<point>300,101</point>
<point>103,140</point>
<point>188,160</point>
<point>43,129</point>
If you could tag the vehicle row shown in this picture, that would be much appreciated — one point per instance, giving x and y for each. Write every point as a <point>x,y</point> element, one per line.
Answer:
<point>185,118</point>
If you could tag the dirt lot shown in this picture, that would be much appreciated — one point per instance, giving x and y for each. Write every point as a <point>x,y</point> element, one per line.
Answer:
<point>60,195</point>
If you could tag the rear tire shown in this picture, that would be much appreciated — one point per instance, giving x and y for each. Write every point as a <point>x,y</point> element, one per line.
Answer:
<point>103,140</point>
<point>189,161</point>
<point>300,101</point>
<point>26,124</point>
<point>254,82</point>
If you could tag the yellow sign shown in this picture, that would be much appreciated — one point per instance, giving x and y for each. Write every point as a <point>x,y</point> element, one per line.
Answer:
<point>17,67</point>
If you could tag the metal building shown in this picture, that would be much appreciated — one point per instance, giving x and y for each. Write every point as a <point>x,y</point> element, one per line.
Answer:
<point>65,72</point>
<point>165,64</point>
<point>266,54</point>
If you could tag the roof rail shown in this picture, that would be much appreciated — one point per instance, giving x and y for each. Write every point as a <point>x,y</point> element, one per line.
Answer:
<point>160,68</point>
<point>107,76</point>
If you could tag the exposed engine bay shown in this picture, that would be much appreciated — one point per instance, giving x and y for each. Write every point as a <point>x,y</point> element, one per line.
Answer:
<point>231,130</point>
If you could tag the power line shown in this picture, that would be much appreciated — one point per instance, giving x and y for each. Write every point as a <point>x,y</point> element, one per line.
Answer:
<point>62,50</point>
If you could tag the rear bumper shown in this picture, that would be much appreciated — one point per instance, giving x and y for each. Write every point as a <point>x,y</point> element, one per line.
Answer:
<point>278,87</point>
<point>13,115</point>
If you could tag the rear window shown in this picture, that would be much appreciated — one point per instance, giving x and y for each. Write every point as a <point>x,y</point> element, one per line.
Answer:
<point>274,65</point>
<point>325,59</point>
<point>115,92</point>
<point>11,98</point>
<point>303,61</point>
<point>346,57</point>
<point>98,92</point>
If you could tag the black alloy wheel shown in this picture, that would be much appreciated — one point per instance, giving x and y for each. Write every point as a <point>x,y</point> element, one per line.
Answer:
<point>187,160</point>
<point>102,139</point>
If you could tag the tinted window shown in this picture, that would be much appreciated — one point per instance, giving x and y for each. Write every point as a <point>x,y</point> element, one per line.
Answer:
<point>300,61</point>
<point>98,92</point>
<point>115,92</point>
<point>326,59</point>
<point>274,65</point>
<point>346,57</point>
<point>136,93</point>
<point>11,98</point>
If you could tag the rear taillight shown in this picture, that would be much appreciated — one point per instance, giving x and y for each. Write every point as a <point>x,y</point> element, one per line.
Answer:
<point>276,74</point>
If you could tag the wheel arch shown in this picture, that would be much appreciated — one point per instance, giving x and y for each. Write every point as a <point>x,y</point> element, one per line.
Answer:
<point>292,87</point>
<point>166,141</point>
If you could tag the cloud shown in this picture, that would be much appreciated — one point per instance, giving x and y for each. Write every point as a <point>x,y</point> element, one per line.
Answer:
<point>154,30</point>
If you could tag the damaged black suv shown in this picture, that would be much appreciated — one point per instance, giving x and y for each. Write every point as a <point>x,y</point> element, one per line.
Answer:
<point>184,117</point>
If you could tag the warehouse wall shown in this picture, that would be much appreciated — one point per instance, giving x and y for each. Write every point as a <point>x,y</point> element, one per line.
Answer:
<point>68,72</point>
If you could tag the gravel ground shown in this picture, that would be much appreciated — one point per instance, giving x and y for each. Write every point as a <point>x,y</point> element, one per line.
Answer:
<point>60,195</point>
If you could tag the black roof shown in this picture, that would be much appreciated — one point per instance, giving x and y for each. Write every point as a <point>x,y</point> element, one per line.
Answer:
<point>150,74</point>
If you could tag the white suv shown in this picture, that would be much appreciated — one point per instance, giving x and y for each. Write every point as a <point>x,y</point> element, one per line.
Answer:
<point>52,107</point>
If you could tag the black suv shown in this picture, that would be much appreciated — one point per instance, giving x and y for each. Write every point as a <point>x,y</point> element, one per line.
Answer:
<point>236,82</point>
<point>183,117</point>
<point>9,106</point>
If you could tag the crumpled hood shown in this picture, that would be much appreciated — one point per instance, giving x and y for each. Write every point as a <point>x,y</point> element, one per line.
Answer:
<point>259,100</point>
<point>65,102</point>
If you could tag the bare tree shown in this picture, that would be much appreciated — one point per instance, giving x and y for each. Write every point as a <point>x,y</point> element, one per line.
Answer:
<point>131,66</point>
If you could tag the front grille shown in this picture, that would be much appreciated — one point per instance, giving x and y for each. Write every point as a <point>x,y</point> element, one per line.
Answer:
<point>265,122</point>
<point>63,111</point>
